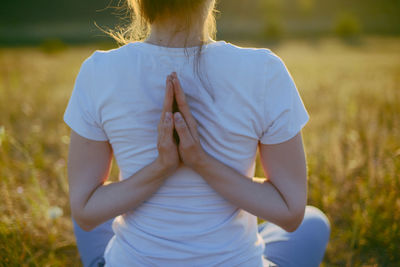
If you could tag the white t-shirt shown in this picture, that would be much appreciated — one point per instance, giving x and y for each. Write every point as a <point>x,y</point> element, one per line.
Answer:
<point>118,96</point>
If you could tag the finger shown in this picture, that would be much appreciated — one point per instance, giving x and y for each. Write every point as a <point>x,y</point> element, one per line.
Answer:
<point>183,106</point>
<point>161,133</point>
<point>181,127</point>
<point>166,130</point>
<point>168,126</point>
<point>169,97</point>
<point>180,95</point>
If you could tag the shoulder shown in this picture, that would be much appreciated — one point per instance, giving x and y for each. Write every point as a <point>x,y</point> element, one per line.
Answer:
<point>106,64</point>
<point>262,53</point>
<point>256,57</point>
<point>116,55</point>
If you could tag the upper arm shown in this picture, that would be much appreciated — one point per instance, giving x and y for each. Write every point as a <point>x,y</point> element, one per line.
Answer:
<point>90,153</point>
<point>89,163</point>
<point>282,111</point>
<point>284,165</point>
<point>280,142</point>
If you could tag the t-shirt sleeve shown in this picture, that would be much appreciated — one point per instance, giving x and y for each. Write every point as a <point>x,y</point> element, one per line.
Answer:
<point>284,112</point>
<point>80,113</point>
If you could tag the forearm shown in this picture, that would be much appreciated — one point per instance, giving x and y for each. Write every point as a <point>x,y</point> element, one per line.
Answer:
<point>110,200</point>
<point>262,199</point>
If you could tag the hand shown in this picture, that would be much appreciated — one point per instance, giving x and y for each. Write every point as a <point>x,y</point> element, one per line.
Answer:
<point>190,149</point>
<point>168,156</point>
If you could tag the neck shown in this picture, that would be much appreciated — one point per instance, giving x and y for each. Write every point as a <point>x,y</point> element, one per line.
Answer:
<point>164,34</point>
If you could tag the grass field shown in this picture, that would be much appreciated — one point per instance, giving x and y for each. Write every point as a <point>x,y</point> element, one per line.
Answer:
<point>352,142</point>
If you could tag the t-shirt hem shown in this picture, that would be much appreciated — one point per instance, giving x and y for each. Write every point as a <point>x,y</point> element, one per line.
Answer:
<point>284,138</point>
<point>268,263</point>
<point>82,132</point>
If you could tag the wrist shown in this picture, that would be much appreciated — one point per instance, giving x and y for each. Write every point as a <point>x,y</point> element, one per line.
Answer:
<point>162,168</point>
<point>202,162</point>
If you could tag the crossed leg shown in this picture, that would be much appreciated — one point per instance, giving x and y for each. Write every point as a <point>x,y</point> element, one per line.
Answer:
<point>303,247</point>
<point>92,244</point>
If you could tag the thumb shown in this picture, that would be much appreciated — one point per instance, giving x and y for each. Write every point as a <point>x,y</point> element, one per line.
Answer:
<point>185,138</point>
<point>168,125</point>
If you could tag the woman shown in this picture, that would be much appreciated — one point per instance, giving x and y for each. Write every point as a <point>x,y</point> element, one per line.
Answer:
<point>191,201</point>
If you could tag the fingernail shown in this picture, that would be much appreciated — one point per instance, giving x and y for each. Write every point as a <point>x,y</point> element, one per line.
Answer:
<point>167,116</point>
<point>178,117</point>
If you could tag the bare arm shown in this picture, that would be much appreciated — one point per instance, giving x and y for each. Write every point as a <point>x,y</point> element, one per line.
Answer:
<point>94,202</point>
<point>281,199</point>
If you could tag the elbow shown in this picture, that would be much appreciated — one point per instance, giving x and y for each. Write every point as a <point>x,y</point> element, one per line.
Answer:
<point>292,226</point>
<point>84,225</point>
<point>82,221</point>
<point>87,227</point>
<point>294,220</point>
<point>83,218</point>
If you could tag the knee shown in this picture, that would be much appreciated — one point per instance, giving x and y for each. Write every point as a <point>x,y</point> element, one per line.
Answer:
<point>304,247</point>
<point>91,244</point>
<point>317,222</point>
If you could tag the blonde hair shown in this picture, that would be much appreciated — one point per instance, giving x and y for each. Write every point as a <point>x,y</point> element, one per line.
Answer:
<point>142,13</point>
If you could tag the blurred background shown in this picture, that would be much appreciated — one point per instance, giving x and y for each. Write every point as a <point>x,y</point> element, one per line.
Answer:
<point>37,22</point>
<point>343,55</point>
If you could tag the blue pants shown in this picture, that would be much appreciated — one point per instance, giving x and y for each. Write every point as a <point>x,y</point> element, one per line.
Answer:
<point>303,247</point>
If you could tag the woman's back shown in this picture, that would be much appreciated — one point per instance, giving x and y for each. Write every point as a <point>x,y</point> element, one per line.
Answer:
<point>250,98</point>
